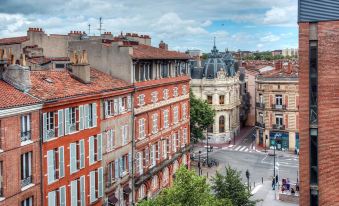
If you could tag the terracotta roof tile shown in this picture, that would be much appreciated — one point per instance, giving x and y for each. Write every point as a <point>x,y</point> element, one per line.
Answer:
<point>12,97</point>
<point>13,40</point>
<point>44,60</point>
<point>148,52</point>
<point>56,84</point>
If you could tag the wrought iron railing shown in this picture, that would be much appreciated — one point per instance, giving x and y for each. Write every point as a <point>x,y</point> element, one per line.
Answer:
<point>25,136</point>
<point>259,124</point>
<point>278,127</point>
<point>26,181</point>
<point>279,106</point>
<point>260,105</point>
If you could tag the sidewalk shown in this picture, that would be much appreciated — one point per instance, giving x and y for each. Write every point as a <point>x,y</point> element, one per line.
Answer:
<point>244,132</point>
<point>277,152</point>
<point>267,195</point>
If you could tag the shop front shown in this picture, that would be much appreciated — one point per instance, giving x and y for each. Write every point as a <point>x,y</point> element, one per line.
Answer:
<point>280,139</point>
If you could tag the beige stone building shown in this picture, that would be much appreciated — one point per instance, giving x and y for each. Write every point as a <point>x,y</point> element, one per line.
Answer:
<point>277,107</point>
<point>217,82</point>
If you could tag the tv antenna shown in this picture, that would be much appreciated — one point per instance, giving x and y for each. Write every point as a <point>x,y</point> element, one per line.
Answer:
<point>89,29</point>
<point>100,25</point>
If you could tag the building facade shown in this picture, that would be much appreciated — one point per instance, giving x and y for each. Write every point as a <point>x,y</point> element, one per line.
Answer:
<point>20,178</point>
<point>277,108</point>
<point>218,83</point>
<point>318,57</point>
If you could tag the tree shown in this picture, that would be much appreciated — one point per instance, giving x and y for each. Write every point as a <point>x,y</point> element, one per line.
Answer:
<point>188,189</point>
<point>230,186</point>
<point>201,116</point>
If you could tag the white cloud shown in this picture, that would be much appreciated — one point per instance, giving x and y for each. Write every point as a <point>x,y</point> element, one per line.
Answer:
<point>283,16</point>
<point>270,38</point>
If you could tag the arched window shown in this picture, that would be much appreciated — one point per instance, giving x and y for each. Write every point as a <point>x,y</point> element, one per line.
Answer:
<point>142,192</point>
<point>221,124</point>
<point>155,182</point>
<point>165,175</point>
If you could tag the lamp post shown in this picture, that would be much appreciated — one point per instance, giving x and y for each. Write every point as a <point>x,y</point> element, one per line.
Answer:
<point>199,165</point>
<point>207,146</point>
<point>265,142</point>
<point>248,179</point>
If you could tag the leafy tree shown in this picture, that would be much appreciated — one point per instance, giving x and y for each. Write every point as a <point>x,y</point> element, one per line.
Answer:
<point>201,116</point>
<point>188,189</point>
<point>230,186</point>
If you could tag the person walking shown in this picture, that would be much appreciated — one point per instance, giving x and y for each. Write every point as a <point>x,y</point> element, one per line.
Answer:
<point>273,183</point>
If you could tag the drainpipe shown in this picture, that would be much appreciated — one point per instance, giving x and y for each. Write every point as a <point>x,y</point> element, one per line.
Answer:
<point>133,144</point>
<point>41,163</point>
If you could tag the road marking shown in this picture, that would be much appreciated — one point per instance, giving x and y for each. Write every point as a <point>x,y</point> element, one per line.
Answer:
<point>246,150</point>
<point>237,148</point>
<point>256,189</point>
<point>231,145</point>
<point>244,147</point>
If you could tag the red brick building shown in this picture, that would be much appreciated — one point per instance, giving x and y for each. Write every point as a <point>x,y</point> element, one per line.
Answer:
<point>19,144</point>
<point>319,89</point>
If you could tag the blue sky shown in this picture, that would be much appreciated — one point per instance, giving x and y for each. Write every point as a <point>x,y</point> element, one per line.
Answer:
<point>183,24</point>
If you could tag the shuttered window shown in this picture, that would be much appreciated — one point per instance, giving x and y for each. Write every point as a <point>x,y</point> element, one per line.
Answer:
<point>82,153</point>
<point>95,149</point>
<point>92,195</point>
<point>73,157</point>
<point>166,124</point>
<point>175,115</point>
<point>62,196</point>
<point>81,117</point>
<point>82,191</point>
<point>142,128</point>
<point>60,123</point>
<point>100,182</point>
<point>50,166</point>
<point>124,134</point>
<point>74,193</point>
<point>52,198</point>
<point>110,134</point>
<point>61,162</point>
<point>154,123</point>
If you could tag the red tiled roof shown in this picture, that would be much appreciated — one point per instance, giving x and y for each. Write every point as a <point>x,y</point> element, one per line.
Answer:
<point>53,84</point>
<point>44,60</point>
<point>12,97</point>
<point>148,52</point>
<point>13,40</point>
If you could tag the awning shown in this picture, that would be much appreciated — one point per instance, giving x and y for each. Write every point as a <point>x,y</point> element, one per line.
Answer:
<point>112,199</point>
<point>127,190</point>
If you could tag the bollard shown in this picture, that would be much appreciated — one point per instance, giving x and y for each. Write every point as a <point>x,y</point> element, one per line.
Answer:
<point>262,180</point>
<point>254,184</point>
<point>207,174</point>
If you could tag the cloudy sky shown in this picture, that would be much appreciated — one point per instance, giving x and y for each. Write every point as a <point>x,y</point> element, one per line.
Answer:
<point>183,24</point>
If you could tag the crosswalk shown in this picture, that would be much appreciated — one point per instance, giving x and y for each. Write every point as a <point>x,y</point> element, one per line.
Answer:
<point>241,148</point>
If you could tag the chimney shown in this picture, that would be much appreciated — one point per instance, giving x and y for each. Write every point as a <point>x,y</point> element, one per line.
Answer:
<point>289,68</point>
<point>163,45</point>
<point>80,67</point>
<point>107,35</point>
<point>278,65</point>
<point>18,76</point>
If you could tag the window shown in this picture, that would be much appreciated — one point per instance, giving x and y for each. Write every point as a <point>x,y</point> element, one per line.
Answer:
<point>96,184</point>
<point>141,100</point>
<point>142,128</point>
<point>110,174</point>
<point>78,194</point>
<point>184,89</point>
<point>58,197</point>
<point>165,93</point>
<point>26,169</point>
<point>221,124</point>
<point>95,148</point>
<point>124,134</point>
<point>209,99</point>
<point>175,91</point>
<point>25,128</point>
<point>261,98</point>
<point>146,156</point>
<point>77,156</point>
<point>165,176</point>
<point>55,164</point>
<point>124,164</point>
<point>221,99</point>
<point>48,124</point>
<point>70,120</point>
<point>155,182</point>
<point>90,115</point>
<point>141,192</point>
<point>153,155</point>
<point>139,163</point>
<point>154,96</point>
<point>59,66</point>
<point>184,111</point>
<point>109,107</point>
<point>278,100</point>
<point>166,123</point>
<point>110,137</point>
<point>154,123</point>
<point>184,137</point>
<point>175,115</point>
<point>261,117</point>
<point>174,146</point>
<point>279,119</point>
<point>164,149</point>
<point>27,202</point>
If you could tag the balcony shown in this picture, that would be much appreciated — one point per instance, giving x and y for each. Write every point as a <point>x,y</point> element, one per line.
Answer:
<point>259,124</point>
<point>260,105</point>
<point>278,127</point>
<point>278,106</point>
<point>26,181</point>
<point>25,136</point>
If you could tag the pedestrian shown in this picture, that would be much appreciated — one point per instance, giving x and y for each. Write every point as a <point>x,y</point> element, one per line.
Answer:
<point>276,179</point>
<point>273,183</point>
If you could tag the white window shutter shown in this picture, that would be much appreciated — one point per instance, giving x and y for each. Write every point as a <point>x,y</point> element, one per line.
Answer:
<point>92,186</point>
<point>73,156</point>
<point>52,198</point>
<point>99,147</point>
<point>130,162</point>
<point>81,117</point>
<point>116,168</point>
<point>62,196</point>
<point>121,163</point>
<point>112,137</point>
<point>61,162</point>
<point>44,125</point>
<point>91,150</point>
<point>141,165</point>
<point>86,120</point>
<point>74,193</point>
<point>50,166</point>
<point>158,152</point>
<point>106,108</point>
<point>82,153</point>
<point>94,112</point>
<point>122,135</point>
<point>60,123</point>
<point>100,182</point>
<point>137,162</point>
<point>82,191</point>
<point>67,125</point>
<point>129,103</point>
<point>116,107</point>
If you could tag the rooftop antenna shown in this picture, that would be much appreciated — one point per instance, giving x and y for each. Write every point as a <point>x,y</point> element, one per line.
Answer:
<point>100,25</point>
<point>214,41</point>
<point>89,29</point>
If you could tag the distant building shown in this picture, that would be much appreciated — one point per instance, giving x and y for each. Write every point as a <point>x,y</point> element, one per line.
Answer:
<point>290,52</point>
<point>277,107</point>
<point>276,52</point>
<point>217,82</point>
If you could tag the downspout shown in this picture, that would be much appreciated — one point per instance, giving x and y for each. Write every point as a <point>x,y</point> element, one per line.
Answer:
<point>133,145</point>
<point>41,164</point>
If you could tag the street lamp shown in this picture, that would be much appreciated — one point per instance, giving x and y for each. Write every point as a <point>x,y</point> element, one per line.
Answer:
<point>207,146</point>
<point>248,179</point>
<point>265,141</point>
<point>199,165</point>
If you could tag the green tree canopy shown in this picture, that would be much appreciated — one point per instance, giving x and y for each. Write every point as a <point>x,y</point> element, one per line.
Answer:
<point>188,189</point>
<point>201,116</point>
<point>230,186</point>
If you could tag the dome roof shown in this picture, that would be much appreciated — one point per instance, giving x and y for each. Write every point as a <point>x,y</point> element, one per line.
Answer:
<point>218,61</point>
